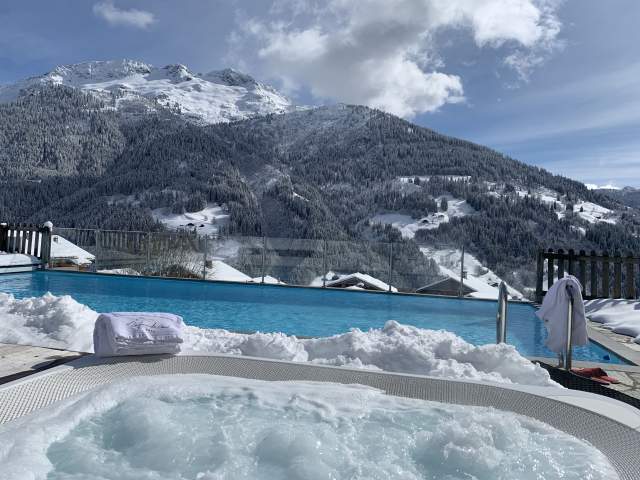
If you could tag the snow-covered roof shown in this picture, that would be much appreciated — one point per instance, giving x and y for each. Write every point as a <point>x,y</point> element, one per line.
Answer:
<point>363,278</point>
<point>268,279</point>
<point>481,288</point>
<point>220,270</point>
<point>63,248</point>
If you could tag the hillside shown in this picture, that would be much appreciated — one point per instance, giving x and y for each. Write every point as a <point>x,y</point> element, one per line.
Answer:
<point>339,172</point>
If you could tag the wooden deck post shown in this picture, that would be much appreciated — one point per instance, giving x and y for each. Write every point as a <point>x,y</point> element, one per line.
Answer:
<point>593,266</point>
<point>550,269</point>
<point>539,275</point>
<point>605,275</point>
<point>4,237</point>
<point>45,244</point>
<point>582,272</point>
<point>571,262</point>
<point>617,276</point>
<point>560,264</point>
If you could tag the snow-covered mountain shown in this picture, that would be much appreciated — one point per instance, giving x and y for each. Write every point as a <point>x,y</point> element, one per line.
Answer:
<point>218,96</point>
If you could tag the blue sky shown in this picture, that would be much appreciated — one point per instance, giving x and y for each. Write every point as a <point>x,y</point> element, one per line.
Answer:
<point>553,83</point>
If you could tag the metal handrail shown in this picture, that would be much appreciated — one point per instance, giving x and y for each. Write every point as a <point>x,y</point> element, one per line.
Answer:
<point>501,317</point>
<point>568,346</point>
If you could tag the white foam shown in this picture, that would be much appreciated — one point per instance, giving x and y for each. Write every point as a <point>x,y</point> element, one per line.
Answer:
<point>206,427</point>
<point>61,322</point>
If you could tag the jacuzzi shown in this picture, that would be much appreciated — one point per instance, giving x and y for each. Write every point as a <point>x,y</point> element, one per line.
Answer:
<point>222,416</point>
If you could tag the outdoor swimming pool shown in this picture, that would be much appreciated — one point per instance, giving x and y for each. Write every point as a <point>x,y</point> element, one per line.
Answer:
<point>296,311</point>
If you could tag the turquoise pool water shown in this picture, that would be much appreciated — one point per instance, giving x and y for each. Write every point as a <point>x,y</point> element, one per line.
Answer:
<point>297,311</point>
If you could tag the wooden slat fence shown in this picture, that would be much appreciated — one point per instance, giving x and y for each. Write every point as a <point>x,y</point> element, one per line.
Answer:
<point>27,239</point>
<point>601,275</point>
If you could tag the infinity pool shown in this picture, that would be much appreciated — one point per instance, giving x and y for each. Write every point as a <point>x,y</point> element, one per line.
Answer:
<point>296,311</point>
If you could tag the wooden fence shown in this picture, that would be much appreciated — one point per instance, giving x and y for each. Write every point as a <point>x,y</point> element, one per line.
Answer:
<point>28,239</point>
<point>601,275</point>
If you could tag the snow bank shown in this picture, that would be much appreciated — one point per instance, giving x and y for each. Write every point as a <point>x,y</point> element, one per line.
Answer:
<point>619,316</point>
<point>61,322</point>
<point>207,427</point>
<point>47,321</point>
<point>9,260</point>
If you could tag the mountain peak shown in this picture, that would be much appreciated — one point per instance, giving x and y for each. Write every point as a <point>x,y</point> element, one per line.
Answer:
<point>231,77</point>
<point>219,96</point>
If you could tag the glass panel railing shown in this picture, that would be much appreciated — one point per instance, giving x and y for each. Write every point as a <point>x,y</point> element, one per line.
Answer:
<point>174,254</point>
<point>234,258</point>
<point>403,265</point>
<point>357,265</point>
<point>294,261</point>
<point>73,249</point>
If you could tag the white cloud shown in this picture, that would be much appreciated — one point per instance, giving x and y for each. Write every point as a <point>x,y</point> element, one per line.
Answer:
<point>116,16</point>
<point>383,53</point>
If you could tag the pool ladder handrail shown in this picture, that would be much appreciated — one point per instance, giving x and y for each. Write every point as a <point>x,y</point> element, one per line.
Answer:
<point>567,360</point>
<point>501,317</point>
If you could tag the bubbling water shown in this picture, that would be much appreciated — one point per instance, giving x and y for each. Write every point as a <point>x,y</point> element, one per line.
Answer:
<point>204,427</point>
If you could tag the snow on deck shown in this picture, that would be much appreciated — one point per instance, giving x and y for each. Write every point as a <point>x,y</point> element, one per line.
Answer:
<point>9,260</point>
<point>619,316</point>
<point>205,221</point>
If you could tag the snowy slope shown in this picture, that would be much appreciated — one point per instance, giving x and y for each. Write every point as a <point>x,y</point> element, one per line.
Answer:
<point>205,221</point>
<point>408,226</point>
<point>480,278</point>
<point>218,96</point>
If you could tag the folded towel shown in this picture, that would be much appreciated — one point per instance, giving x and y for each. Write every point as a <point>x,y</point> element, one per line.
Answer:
<point>137,333</point>
<point>554,314</point>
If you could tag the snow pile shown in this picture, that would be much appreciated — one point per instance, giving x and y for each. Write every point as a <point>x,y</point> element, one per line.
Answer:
<point>47,321</point>
<point>206,427</point>
<point>61,322</point>
<point>619,316</point>
<point>205,221</point>
<point>218,96</point>
<point>8,260</point>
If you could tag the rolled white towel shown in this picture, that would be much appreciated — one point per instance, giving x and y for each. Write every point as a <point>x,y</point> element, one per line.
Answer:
<point>137,333</point>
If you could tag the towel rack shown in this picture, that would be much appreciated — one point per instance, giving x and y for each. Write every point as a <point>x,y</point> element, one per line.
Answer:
<point>501,317</point>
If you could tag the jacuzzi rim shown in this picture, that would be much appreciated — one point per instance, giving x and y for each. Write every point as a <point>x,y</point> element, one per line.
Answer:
<point>575,413</point>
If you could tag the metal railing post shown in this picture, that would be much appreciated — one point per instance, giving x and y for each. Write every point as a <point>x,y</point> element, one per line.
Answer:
<point>324,263</point>
<point>567,353</point>
<point>501,318</point>
<point>96,234</point>
<point>148,253</point>
<point>461,290</point>
<point>204,258</point>
<point>390,276</point>
<point>264,248</point>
